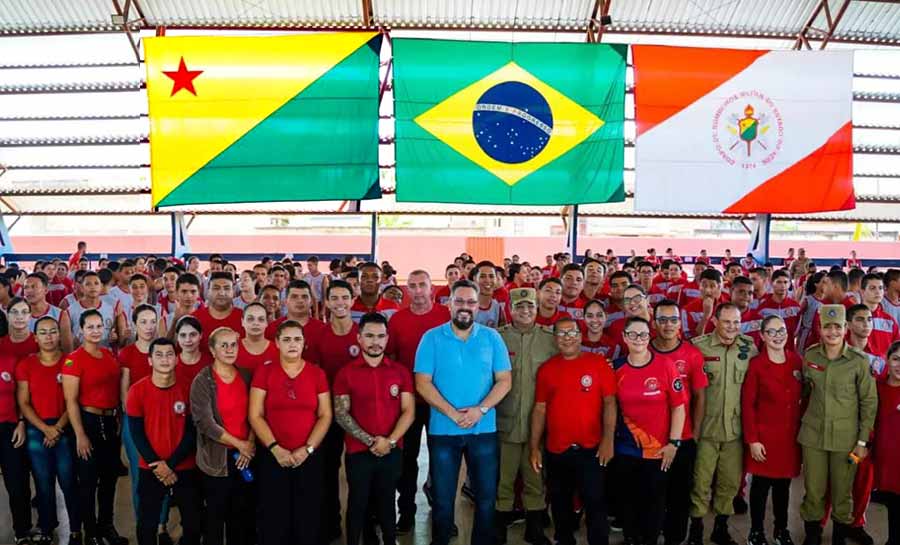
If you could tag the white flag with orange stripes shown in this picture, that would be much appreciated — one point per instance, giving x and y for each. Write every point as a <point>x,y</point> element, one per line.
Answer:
<point>740,131</point>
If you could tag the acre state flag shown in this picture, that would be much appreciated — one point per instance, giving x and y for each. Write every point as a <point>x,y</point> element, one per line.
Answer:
<point>263,118</point>
<point>740,131</point>
<point>509,123</point>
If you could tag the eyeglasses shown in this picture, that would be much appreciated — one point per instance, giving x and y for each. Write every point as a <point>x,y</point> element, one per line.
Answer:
<point>635,335</point>
<point>663,320</point>
<point>634,300</point>
<point>571,333</point>
<point>780,332</point>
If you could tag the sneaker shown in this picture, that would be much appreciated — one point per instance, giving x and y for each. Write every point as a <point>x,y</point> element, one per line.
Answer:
<point>615,525</point>
<point>859,535</point>
<point>111,536</point>
<point>93,540</point>
<point>720,534</point>
<point>405,524</point>
<point>163,538</point>
<point>42,539</point>
<point>740,505</point>
<point>517,516</point>
<point>24,541</point>
<point>782,537</point>
<point>757,537</point>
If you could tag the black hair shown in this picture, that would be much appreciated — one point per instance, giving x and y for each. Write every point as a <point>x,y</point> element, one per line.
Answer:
<point>87,314</point>
<point>868,278</point>
<point>550,280</point>
<point>711,274</point>
<point>286,325</point>
<point>372,318</point>
<point>337,284</point>
<point>187,278</point>
<point>851,312</point>
<point>40,276</point>
<point>188,321</point>
<point>664,303</point>
<point>143,307</point>
<point>160,341</point>
<point>725,306</point>
<point>221,275</point>
<point>839,277</point>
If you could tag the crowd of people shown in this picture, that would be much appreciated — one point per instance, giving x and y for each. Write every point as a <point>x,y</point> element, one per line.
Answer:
<point>623,392</point>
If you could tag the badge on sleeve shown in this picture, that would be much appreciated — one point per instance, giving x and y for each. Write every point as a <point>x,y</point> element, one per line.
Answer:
<point>179,407</point>
<point>677,385</point>
<point>354,350</point>
<point>6,376</point>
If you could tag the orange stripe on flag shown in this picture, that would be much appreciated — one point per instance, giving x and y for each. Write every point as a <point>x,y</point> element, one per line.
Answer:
<point>805,186</point>
<point>669,79</point>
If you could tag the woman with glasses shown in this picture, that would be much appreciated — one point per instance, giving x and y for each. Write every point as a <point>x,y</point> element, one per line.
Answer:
<point>49,445</point>
<point>290,412</point>
<point>770,408</point>
<point>225,443</point>
<point>13,458</point>
<point>91,379</point>
<point>651,417</point>
<point>192,358</point>
<point>19,339</point>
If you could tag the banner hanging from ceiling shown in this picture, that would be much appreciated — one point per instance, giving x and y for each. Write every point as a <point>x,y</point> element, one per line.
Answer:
<point>509,123</point>
<point>740,131</point>
<point>261,119</point>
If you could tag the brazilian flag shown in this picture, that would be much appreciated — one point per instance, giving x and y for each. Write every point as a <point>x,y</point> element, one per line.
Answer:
<point>509,123</point>
<point>263,118</point>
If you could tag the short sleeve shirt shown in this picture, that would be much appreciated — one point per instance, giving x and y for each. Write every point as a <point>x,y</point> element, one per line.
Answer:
<point>463,372</point>
<point>99,378</point>
<point>688,362</point>
<point>137,363</point>
<point>44,386</point>
<point>291,404</point>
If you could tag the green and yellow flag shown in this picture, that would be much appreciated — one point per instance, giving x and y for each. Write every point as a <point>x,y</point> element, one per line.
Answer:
<point>263,118</point>
<point>509,123</point>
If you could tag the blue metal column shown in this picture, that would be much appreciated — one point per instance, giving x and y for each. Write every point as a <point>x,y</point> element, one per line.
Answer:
<point>759,238</point>
<point>6,246</point>
<point>572,234</point>
<point>181,244</point>
<point>373,250</point>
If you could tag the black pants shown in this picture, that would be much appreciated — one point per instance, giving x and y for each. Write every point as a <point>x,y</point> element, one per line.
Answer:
<point>892,501</point>
<point>577,470</point>
<point>678,493</point>
<point>98,474</point>
<point>186,495</point>
<point>371,484</point>
<point>333,450</point>
<point>290,501</point>
<point>759,495</point>
<point>644,498</point>
<point>14,466</point>
<point>229,508</point>
<point>408,485</point>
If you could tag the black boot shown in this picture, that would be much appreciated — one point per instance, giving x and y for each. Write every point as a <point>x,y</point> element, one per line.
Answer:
<point>500,522</point>
<point>720,534</point>
<point>111,536</point>
<point>838,533</point>
<point>859,535</point>
<point>534,528</point>
<point>813,533</point>
<point>695,534</point>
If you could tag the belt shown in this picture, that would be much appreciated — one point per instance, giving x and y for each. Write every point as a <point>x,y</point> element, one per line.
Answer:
<point>100,412</point>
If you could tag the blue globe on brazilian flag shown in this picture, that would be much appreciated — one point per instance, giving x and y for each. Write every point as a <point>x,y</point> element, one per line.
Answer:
<point>509,123</point>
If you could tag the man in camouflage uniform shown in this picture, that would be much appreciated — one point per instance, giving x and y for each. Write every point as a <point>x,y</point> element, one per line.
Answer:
<point>529,346</point>
<point>720,450</point>
<point>835,429</point>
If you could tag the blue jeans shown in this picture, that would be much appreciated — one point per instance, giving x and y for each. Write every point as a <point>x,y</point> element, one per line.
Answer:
<point>483,462</point>
<point>134,472</point>
<point>49,465</point>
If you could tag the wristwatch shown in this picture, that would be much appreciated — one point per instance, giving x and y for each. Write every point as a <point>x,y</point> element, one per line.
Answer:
<point>675,442</point>
<point>393,443</point>
<point>484,410</point>
<point>310,449</point>
<point>863,444</point>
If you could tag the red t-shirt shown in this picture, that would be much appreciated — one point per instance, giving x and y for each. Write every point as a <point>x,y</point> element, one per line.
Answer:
<point>331,351</point>
<point>574,308</point>
<point>688,362</point>
<point>573,391</point>
<point>374,397</point>
<point>137,363</point>
<point>99,378</point>
<point>405,331</point>
<point>884,332</point>
<point>646,397</point>
<point>441,295</point>
<point>187,373</point>
<point>210,324</point>
<point>44,385</point>
<point>606,346</point>
<point>887,439</point>
<point>8,410</point>
<point>19,349</point>
<point>540,320</point>
<point>246,360</point>
<point>385,307</point>
<point>165,412</point>
<point>311,331</point>
<point>232,401</point>
<point>789,310</point>
<point>291,404</point>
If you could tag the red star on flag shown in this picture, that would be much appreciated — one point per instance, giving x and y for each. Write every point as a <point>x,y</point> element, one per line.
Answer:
<point>183,78</point>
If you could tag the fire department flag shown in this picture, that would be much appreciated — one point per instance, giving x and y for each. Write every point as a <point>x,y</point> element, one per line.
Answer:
<point>739,131</point>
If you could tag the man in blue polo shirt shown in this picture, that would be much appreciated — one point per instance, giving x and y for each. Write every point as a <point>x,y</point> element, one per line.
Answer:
<point>463,371</point>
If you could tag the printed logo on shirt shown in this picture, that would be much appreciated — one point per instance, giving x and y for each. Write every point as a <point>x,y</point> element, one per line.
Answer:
<point>681,367</point>
<point>651,386</point>
<point>395,390</point>
<point>179,407</point>
<point>69,363</point>
<point>898,408</point>
<point>59,378</point>
<point>354,350</point>
<point>587,381</point>
<point>677,385</point>
<point>6,376</point>
<point>267,362</point>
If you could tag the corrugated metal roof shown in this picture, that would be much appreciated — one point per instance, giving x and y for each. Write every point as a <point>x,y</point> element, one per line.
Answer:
<point>22,16</point>
<point>533,14</point>
<point>276,13</point>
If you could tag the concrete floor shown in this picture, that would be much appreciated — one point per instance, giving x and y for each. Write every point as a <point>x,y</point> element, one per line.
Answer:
<point>877,518</point>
